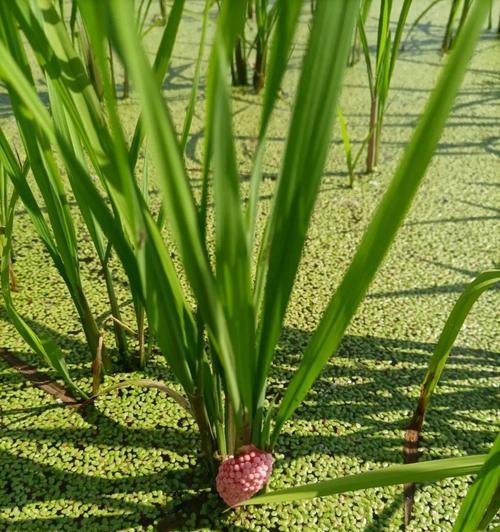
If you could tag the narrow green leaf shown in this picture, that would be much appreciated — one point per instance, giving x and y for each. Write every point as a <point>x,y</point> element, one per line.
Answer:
<point>188,118</point>
<point>481,494</point>
<point>386,220</point>
<point>161,62</point>
<point>232,256</point>
<point>44,347</point>
<point>430,471</point>
<point>447,338</point>
<point>288,12</point>
<point>307,146</point>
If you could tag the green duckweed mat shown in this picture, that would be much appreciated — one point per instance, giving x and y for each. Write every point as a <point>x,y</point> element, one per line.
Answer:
<point>132,462</point>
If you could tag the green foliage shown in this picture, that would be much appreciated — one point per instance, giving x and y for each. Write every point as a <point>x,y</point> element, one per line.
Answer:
<point>397,474</point>
<point>482,500</point>
<point>379,75</point>
<point>221,348</point>
<point>351,158</point>
<point>447,338</point>
<point>385,223</point>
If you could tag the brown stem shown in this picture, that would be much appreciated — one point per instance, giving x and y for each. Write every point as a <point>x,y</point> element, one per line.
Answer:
<point>120,337</point>
<point>378,137</point>
<point>240,64</point>
<point>141,333</point>
<point>354,58</point>
<point>97,368</point>
<point>411,451</point>
<point>250,9</point>
<point>90,329</point>
<point>259,73</point>
<point>112,67</point>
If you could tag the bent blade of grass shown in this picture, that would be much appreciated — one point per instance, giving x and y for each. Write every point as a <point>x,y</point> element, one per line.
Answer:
<point>46,172</point>
<point>30,203</point>
<point>430,471</point>
<point>482,500</point>
<point>447,338</point>
<point>386,221</point>
<point>67,129</point>
<point>307,146</point>
<point>435,369</point>
<point>47,175</point>
<point>175,331</point>
<point>147,383</point>
<point>158,286</point>
<point>57,56</point>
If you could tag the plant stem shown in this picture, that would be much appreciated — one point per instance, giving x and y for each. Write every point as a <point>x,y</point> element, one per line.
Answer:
<point>208,445</point>
<point>112,67</point>
<point>241,78</point>
<point>163,10</point>
<point>120,337</point>
<point>354,58</point>
<point>372,142</point>
<point>141,330</point>
<point>90,328</point>
<point>448,34</point>
<point>12,276</point>
<point>259,73</point>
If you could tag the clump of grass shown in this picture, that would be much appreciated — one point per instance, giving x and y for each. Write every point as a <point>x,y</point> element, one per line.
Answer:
<point>380,74</point>
<point>221,348</point>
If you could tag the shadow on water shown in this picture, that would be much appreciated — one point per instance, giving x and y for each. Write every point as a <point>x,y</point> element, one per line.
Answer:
<point>358,408</point>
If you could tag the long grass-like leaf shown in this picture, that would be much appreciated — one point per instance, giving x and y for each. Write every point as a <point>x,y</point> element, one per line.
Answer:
<point>286,23</point>
<point>482,496</point>
<point>44,347</point>
<point>386,220</point>
<point>447,338</point>
<point>232,254</point>
<point>430,471</point>
<point>161,62</point>
<point>302,168</point>
<point>436,366</point>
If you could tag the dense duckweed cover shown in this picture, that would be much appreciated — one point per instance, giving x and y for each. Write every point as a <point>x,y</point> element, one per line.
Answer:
<point>133,459</point>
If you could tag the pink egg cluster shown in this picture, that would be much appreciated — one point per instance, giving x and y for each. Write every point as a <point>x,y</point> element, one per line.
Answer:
<point>243,475</point>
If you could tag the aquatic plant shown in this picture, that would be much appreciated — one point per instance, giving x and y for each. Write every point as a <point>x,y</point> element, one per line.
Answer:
<point>477,510</point>
<point>436,366</point>
<point>481,503</point>
<point>352,158</point>
<point>58,233</point>
<point>451,32</point>
<point>380,74</point>
<point>216,323</point>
